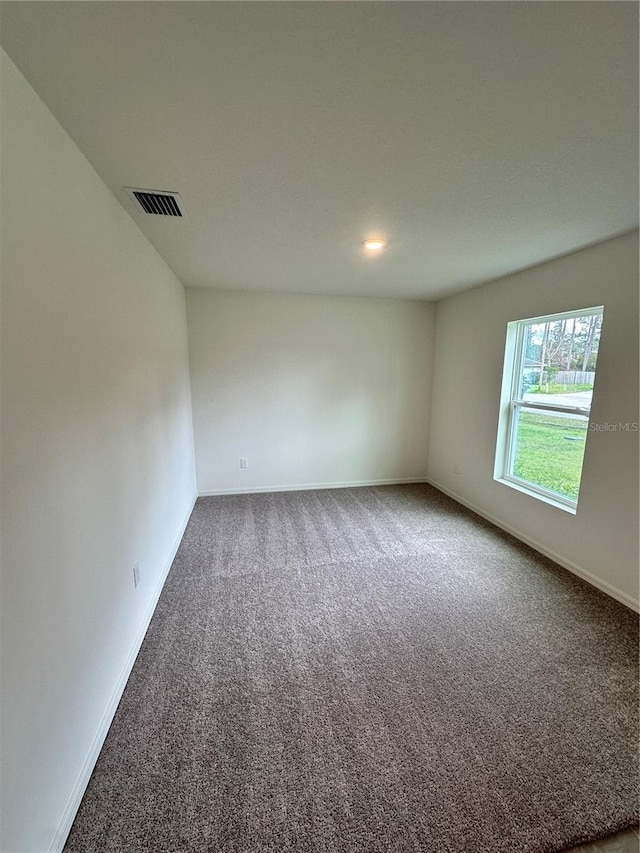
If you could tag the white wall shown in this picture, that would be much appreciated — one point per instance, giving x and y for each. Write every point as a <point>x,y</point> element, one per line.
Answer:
<point>312,390</point>
<point>601,540</point>
<point>97,457</point>
<point>97,452</point>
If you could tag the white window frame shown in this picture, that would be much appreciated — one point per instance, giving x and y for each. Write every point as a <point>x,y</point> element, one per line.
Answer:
<point>511,403</point>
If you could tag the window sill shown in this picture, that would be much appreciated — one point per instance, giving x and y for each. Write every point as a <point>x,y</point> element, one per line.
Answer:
<point>533,493</point>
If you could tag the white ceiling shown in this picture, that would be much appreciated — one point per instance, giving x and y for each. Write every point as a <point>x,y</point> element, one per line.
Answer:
<point>479,138</point>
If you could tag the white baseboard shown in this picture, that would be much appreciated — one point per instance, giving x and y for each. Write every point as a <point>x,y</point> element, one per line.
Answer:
<point>611,590</point>
<point>304,487</point>
<point>75,798</point>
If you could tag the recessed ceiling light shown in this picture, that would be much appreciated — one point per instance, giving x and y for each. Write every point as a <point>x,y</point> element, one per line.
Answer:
<point>374,244</point>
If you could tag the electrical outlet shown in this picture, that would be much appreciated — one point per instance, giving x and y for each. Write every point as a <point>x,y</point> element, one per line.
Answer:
<point>244,462</point>
<point>136,574</point>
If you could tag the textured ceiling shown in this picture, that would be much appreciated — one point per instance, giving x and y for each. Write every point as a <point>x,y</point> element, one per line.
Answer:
<point>479,138</point>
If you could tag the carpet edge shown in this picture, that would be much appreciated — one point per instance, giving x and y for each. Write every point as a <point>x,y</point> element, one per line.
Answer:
<point>574,568</point>
<point>63,829</point>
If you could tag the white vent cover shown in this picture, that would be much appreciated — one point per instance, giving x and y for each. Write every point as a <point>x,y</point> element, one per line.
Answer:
<point>156,202</point>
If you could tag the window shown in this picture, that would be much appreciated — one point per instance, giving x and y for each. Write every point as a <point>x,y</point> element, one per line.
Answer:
<point>549,373</point>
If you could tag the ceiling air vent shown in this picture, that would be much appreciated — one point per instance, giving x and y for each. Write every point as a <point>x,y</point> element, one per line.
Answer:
<point>156,202</point>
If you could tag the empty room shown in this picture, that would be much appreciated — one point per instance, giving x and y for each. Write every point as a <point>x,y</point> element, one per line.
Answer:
<point>319,443</point>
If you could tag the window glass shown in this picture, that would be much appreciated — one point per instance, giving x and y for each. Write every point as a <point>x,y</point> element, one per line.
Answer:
<point>550,368</point>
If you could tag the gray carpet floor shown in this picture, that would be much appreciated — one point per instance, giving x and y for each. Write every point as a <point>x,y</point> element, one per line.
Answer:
<point>363,670</point>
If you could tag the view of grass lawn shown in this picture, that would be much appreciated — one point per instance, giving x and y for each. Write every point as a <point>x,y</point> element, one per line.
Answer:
<point>549,451</point>
<point>553,388</point>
